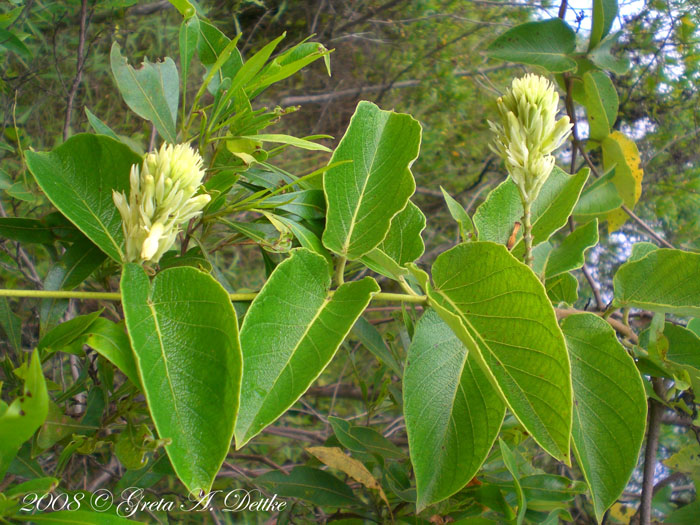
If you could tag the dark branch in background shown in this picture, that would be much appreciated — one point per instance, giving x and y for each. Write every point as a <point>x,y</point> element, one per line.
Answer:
<point>320,98</point>
<point>654,428</point>
<point>430,53</point>
<point>367,16</point>
<point>79,69</point>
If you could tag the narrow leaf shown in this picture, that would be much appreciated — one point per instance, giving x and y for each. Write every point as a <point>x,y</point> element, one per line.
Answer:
<point>290,333</point>
<point>601,103</point>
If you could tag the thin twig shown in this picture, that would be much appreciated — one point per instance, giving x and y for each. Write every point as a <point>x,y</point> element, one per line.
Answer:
<point>79,69</point>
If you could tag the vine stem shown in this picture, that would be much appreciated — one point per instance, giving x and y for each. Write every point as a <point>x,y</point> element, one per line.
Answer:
<point>236,297</point>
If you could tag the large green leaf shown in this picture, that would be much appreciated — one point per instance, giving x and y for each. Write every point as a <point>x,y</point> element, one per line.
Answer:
<point>151,91</point>
<point>571,253</point>
<point>495,217</point>
<point>609,407</point>
<point>290,333</point>
<point>545,43</point>
<point>453,413</point>
<point>79,176</point>
<point>621,153</point>
<point>499,310</point>
<point>364,195</point>
<point>665,280</point>
<point>26,230</point>
<point>184,335</point>
<point>25,415</point>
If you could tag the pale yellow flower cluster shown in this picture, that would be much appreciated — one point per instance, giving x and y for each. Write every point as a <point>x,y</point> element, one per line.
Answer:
<point>162,198</point>
<point>529,132</point>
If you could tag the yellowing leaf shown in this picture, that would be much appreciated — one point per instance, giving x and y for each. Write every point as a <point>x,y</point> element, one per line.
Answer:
<point>621,152</point>
<point>336,458</point>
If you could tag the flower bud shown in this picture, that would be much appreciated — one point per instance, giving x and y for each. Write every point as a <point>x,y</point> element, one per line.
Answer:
<point>162,197</point>
<point>529,132</point>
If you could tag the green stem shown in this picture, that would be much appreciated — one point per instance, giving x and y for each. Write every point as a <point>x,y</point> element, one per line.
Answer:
<point>527,233</point>
<point>340,270</point>
<point>236,297</point>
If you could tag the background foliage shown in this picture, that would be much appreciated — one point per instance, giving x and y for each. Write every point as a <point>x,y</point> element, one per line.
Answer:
<point>61,76</point>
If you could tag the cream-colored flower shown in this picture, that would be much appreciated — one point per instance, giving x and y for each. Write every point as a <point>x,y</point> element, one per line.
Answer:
<point>529,132</point>
<point>162,198</point>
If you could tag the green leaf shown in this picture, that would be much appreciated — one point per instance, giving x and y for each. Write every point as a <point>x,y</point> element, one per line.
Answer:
<point>210,46</point>
<point>79,176</point>
<point>620,152</point>
<point>184,335</point>
<point>365,194</point>
<point>287,139</point>
<point>100,127</point>
<point>641,249</point>
<point>694,326</point>
<point>452,412</point>
<point>402,244</point>
<point>466,226</point>
<point>65,333</point>
<point>184,6</point>
<point>511,465</point>
<point>545,43</point>
<point>683,346</point>
<point>111,341</point>
<point>599,199</point>
<point>495,217</point>
<point>310,484</point>
<point>665,280</point>
<point>188,38</point>
<point>11,43</point>
<point>609,409</point>
<point>571,253</point>
<point>372,340</point>
<point>604,13</point>
<point>290,333</point>
<point>25,415</point>
<point>11,324</point>
<point>26,230</point>
<point>76,264</point>
<point>152,91</point>
<point>364,439</point>
<point>602,57</point>
<point>601,103</point>
<point>499,310</point>
<point>562,289</point>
